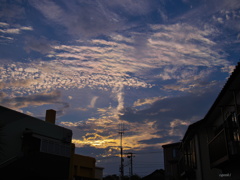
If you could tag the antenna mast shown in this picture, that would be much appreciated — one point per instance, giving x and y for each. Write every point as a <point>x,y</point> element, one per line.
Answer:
<point>121,132</point>
<point>130,155</point>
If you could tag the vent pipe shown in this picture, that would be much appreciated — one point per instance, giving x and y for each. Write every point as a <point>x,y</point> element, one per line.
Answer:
<point>50,116</point>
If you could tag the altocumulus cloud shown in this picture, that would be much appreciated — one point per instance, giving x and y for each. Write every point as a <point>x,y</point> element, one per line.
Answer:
<point>101,63</point>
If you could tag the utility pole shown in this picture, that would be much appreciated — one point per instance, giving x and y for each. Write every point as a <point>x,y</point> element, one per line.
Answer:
<point>130,155</point>
<point>121,132</point>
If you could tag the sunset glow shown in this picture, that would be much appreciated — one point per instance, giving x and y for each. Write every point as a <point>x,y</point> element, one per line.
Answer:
<point>148,69</point>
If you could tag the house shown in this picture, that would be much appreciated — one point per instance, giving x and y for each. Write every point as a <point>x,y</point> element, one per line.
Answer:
<point>171,157</point>
<point>31,148</point>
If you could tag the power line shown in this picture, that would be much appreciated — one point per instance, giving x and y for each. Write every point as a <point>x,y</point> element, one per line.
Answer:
<point>138,153</point>
<point>153,152</point>
<point>106,158</point>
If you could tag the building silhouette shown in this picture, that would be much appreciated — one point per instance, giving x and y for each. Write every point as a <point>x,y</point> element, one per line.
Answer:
<point>171,158</point>
<point>31,148</point>
<point>83,167</point>
<point>210,148</point>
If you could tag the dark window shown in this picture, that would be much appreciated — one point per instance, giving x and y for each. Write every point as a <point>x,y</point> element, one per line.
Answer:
<point>174,153</point>
<point>232,125</point>
<point>190,154</point>
<point>30,144</point>
<point>56,148</point>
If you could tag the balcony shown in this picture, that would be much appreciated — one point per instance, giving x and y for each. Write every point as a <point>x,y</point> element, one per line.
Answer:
<point>218,149</point>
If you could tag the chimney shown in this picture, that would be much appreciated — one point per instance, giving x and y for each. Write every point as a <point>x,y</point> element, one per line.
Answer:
<point>50,116</point>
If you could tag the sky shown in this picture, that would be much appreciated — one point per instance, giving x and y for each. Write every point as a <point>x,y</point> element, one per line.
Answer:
<point>146,67</point>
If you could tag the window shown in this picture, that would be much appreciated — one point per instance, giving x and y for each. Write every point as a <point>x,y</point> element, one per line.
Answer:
<point>232,126</point>
<point>56,148</point>
<point>190,154</point>
<point>174,153</point>
<point>30,144</point>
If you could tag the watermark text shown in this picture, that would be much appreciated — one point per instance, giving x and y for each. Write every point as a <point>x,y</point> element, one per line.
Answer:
<point>225,175</point>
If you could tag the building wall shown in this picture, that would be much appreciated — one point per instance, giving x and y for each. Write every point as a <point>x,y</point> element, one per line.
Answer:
<point>32,148</point>
<point>12,129</point>
<point>217,122</point>
<point>203,161</point>
<point>171,156</point>
<point>98,173</point>
<point>198,169</point>
<point>198,157</point>
<point>84,166</point>
<point>36,149</point>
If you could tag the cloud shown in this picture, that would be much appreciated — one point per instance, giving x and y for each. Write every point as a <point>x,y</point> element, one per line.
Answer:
<point>176,45</point>
<point>178,127</point>
<point>171,115</point>
<point>15,30</point>
<point>116,61</point>
<point>102,132</point>
<point>184,44</point>
<point>210,8</point>
<point>94,18</point>
<point>80,18</point>
<point>132,7</point>
<point>7,28</point>
<point>40,44</point>
<point>33,100</point>
<point>8,31</point>
<point>119,97</point>
<point>105,135</point>
<point>141,102</point>
<point>127,58</point>
<point>93,102</point>
<point>42,76</point>
<point>3,24</point>
<point>11,11</point>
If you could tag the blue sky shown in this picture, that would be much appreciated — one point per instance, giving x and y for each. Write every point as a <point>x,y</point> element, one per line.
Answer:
<point>155,66</point>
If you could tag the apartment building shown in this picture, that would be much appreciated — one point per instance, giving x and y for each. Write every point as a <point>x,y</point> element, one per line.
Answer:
<point>222,123</point>
<point>210,148</point>
<point>194,159</point>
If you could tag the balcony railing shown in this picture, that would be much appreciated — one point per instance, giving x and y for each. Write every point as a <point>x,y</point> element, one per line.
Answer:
<point>218,149</point>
